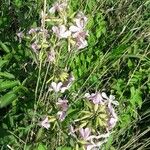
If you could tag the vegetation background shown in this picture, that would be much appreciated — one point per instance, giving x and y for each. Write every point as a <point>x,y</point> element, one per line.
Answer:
<point>117,59</point>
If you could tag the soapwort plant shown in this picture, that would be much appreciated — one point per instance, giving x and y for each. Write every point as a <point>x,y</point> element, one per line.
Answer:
<point>64,32</point>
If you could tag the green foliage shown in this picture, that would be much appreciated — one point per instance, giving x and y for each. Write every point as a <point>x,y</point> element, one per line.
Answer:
<point>117,59</point>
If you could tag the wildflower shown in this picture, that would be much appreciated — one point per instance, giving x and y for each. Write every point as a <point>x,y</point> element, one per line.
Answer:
<point>58,7</point>
<point>111,100</point>
<point>56,86</point>
<point>45,123</point>
<point>112,122</point>
<point>97,141</point>
<point>80,21</point>
<point>51,56</point>
<point>62,87</point>
<point>33,30</point>
<point>61,31</point>
<point>63,104</point>
<point>72,131</point>
<point>96,98</point>
<point>78,31</point>
<point>35,47</point>
<point>61,115</point>
<point>85,133</point>
<point>20,36</point>
<point>81,43</point>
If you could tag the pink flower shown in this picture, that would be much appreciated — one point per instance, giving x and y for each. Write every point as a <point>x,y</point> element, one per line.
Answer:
<point>33,30</point>
<point>112,122</point>
<point>63,104</point>
<point>80,21</point>
<point>61,115</point>
<point>51,56</point>
<point>45,123</point>
<point>61,31</point>
<point>58,7</point>
<point>20,36</point>
<point>35,47</point>
<point>78,31</point>
<point>85,133</point>
<point>81,43</point>
<point>96,98</point>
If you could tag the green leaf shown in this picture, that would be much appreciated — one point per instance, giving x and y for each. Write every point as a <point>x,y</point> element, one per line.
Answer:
<point>64,148</point>
<point>8,84</point>
<point>7,75</point>
<point>41,147</point>
<point>4,47</point>
<point>2,63</point>
<point>7,99</point>
<point>135,98</point>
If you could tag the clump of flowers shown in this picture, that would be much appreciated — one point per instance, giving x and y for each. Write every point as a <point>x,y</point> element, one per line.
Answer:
<point>91,126</point>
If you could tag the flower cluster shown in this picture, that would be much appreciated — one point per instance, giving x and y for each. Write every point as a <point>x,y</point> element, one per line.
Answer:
<point>100,114</point>
<point>91,126</point>
<point>103,99</point>
<point>76,32</point>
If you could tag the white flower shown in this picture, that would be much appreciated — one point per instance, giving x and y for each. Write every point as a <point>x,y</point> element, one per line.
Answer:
<point>58,87</point>
<point>58,7</point>
<point>45,123</point>
<point>110,99</point>
<point>61,31</point>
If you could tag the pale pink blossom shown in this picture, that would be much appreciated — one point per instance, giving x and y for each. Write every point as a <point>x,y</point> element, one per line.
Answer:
<point>81,43</point>
<point>51,56</point>
<point>96,98</point>
<point>58,7</point>
<point>20,35</point>
<point>45,123</point>
<point>61,31</point>
<point>35,47</point>
<point>80,23</point>
<point>85,133</point>
<point>62,104</point>
<point>78,31</point>
<point>61,115</point>
<point>110,99</point>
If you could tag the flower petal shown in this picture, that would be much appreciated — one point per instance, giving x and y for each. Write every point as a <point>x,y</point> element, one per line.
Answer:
<point>52,10</point>
<point>104,95</point>
<point>74,28</point>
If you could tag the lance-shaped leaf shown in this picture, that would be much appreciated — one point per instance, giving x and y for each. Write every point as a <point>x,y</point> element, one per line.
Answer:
<point>8,84</point>
<point>7,75</point>
<point>7,99</point>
